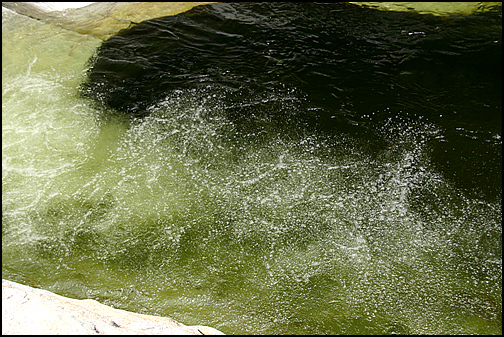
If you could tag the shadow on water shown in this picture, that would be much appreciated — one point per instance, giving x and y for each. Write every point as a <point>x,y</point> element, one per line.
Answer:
<point>355,68</point>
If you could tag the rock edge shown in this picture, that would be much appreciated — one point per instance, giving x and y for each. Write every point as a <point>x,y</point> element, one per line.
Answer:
<point>27,310</point>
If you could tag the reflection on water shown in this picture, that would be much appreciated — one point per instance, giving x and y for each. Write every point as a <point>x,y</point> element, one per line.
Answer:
<point>352,185</point>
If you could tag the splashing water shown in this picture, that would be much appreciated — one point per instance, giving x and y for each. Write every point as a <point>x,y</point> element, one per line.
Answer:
<point>251,223</point>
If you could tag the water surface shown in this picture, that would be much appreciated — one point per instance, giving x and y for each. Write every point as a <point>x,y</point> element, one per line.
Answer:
<point>261,168</point>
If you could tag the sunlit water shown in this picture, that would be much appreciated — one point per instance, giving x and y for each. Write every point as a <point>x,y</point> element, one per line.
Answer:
<point>350,187</point>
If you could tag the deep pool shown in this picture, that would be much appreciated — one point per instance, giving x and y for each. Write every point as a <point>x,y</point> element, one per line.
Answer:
<point>267,168</point>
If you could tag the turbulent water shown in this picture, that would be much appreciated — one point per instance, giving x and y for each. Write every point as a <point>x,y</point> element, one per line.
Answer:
<point>271,168</point>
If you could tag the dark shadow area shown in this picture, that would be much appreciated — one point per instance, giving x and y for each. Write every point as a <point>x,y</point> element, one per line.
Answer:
<point>353,69</point>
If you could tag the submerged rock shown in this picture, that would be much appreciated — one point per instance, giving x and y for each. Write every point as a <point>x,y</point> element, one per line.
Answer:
<point>432,8</point>
<point>27,311</point>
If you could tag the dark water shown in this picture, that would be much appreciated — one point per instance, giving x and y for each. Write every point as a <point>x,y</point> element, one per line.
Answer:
<point>271,168</point>
<point>353,68</point>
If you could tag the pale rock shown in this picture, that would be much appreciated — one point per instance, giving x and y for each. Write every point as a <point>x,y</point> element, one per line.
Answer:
<point>28,311</point>
<point>99,19</point>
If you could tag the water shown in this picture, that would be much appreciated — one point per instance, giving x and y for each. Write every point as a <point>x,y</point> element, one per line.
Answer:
<point>352,185</point>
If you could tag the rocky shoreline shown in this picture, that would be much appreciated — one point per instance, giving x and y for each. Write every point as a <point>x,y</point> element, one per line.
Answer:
<point>99,19</point>
<point>27,311</point>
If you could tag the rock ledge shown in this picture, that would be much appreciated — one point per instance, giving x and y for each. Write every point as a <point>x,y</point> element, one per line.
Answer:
<point>27,311</point>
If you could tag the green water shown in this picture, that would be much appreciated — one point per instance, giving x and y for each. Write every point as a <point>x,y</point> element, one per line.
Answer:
<point>184,214</point>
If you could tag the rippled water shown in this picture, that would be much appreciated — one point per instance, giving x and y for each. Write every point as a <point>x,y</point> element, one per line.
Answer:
<point>261,168</point>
